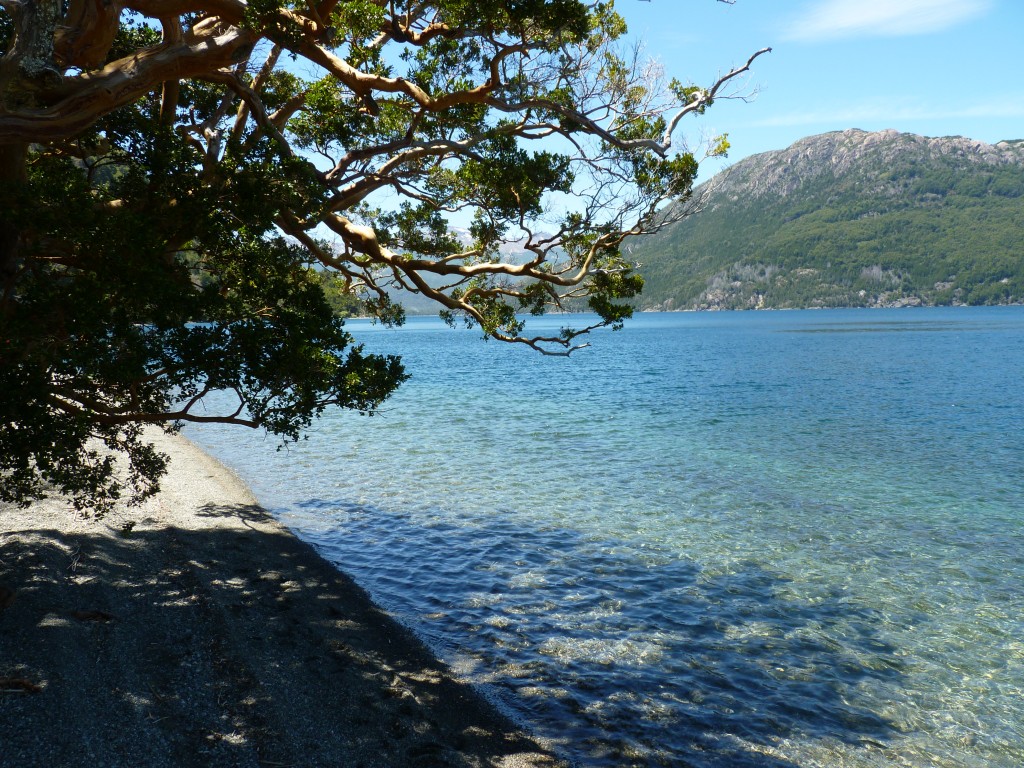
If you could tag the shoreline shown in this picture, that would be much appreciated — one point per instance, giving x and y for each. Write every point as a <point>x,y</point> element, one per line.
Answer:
<point>196,630</point>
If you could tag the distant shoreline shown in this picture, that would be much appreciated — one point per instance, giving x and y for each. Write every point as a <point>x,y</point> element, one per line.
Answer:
<point>714,310</point>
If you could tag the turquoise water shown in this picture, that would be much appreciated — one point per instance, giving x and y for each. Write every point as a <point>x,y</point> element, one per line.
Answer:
<point>732,539</point>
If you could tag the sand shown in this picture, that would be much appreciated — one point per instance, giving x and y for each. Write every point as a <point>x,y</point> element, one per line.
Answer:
<point>195,630</point>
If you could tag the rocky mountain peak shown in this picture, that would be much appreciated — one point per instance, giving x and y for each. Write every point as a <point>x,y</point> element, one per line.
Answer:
<point>849,218</point>
<point>841,153</point>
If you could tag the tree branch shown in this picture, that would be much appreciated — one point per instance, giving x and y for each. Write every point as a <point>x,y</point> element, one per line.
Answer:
<point>702,98</point>
<point>81,100</point>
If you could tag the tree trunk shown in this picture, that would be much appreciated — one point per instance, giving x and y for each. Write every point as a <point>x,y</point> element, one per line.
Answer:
<point>26,67</point>
<point>12,178</point>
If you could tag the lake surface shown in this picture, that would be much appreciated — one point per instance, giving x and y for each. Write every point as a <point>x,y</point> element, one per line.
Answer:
<point>725,539</point>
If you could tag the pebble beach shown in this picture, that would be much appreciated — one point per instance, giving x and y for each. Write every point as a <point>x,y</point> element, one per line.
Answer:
<point>195,630</point>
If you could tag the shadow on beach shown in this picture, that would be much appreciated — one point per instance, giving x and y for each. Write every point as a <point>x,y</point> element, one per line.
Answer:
<point>231,645</point>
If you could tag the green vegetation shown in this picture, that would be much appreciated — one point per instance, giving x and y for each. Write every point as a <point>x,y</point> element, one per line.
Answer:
<point>340,298</point>
<point>850,219</point>
<point>266,166</point>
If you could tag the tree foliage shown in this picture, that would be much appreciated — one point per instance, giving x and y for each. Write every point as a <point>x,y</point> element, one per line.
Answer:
<point>189,186</point>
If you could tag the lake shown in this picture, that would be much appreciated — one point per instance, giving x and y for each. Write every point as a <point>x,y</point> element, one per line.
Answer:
<point>718,539</point>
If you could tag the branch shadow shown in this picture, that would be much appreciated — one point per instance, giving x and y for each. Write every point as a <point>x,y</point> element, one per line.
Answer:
<point>249,514</point>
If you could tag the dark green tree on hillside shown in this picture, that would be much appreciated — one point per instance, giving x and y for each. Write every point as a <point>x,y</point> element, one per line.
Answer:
<point>168,161</point>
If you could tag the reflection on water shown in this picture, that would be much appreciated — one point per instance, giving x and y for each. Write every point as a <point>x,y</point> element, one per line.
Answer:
<point>768,539</point>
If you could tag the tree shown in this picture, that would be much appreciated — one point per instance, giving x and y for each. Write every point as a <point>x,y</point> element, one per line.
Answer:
<point>176,176</point>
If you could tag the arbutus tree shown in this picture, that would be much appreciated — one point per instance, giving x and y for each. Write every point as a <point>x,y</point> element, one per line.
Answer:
<point>177,177</point>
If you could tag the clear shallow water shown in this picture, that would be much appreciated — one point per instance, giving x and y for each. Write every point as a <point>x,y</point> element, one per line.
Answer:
<point>737,539</point>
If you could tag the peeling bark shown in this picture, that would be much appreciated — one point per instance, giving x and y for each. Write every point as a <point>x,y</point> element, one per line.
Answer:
<point>28,67</point>
<point>80,103</point>
<point>88,31</point>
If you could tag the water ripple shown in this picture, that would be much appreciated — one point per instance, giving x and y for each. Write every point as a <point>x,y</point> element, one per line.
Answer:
<point>771,539</point>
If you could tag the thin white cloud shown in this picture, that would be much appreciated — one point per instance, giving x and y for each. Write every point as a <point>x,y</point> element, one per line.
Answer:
<point>874,112</point>
<point>834,19</point>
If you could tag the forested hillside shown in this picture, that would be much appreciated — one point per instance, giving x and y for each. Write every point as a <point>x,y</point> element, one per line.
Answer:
<point>849,218</point>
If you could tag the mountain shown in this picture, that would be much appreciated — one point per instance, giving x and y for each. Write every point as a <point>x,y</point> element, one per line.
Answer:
<point>848,218</point>
<point>418,304</point>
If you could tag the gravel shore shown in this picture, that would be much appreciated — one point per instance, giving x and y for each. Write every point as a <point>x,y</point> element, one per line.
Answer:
<point>195,630</point>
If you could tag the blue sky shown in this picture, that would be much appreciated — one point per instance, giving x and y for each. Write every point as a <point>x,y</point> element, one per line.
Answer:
<point>933,67</point>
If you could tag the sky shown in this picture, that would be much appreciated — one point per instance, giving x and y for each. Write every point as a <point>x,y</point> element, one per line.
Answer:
<point>932,67</point>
